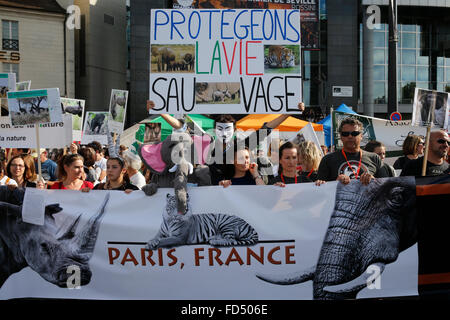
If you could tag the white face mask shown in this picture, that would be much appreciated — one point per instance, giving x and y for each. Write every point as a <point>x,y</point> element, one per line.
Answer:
<point>224,131</point>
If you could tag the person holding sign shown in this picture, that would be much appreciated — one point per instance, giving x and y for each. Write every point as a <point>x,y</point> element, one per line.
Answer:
<point>287,171</point>
<point>245,171</point>
<point>437,152</point>
<point>115,177</point>
<point>351,162</point>
<point>309,158</point>
<point>70,174</point>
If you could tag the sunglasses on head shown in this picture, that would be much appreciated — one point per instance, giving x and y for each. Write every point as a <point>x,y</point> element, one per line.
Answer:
<point>442,141</point>
<point>353,133</point>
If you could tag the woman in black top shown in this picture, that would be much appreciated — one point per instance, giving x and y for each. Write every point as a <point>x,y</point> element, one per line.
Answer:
<point>245,171</point>
<point>412,148</point>
<point>115,177</point>
<point>287,171</point>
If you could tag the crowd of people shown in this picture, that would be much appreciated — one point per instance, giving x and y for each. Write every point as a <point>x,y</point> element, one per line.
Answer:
<point>87,167</point>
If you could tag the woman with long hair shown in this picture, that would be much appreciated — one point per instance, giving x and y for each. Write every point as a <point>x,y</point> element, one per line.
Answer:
<point>309,157</point>
<point>21,169</point>
<point>116,177</point>
<point>413,147</point>
<point>71,174</point>
<point>287,170</point>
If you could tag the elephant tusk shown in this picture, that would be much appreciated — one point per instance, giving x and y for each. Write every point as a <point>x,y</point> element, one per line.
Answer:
<point>366,279</point>
<point>174,168</point>
<point>288,279</point>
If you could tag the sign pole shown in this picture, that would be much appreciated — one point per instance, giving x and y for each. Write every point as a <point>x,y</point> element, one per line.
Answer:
<point>427,138</point>
<point>38,151</point>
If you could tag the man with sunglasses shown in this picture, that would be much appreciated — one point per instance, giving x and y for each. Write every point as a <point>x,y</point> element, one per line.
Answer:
<point>438,148</point>
<point>351,162</point>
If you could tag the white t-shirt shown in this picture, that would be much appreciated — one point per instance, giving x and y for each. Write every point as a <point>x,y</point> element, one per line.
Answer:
<point>5,181</point>
<point>100,166</point>
<point>138,180</point>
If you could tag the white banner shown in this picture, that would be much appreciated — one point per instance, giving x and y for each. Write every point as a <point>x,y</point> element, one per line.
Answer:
<point>51,135</point>
<point>225,61</point>
<point>253,232</point>
<point>390,133</point>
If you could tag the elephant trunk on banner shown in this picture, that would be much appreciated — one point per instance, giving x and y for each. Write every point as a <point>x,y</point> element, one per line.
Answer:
<point>369,227</point>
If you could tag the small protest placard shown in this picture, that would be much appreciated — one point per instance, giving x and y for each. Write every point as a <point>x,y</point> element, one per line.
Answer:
<point>430,107</point>
<point>95,127</point>
<point>117,110</point>
<point>75,108</point>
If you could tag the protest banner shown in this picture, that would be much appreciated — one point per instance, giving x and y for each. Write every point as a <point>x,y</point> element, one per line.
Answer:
<point>95,127</point>
<point>75,108</point>
<point>52,135</point>
<point>423,113</point>
<point>117,110</point>
<point>309,13</point>
<point>390,133</point>
<point>23,86</point>
<point>232,242</point>
<point>198,68</point>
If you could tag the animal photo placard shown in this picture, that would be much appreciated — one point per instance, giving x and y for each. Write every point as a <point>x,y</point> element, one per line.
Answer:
<point>23,85</point>
<point>34,106</point>
<point>95,127</point>
<point>225,61</point>
<point>423,111</point>
<point>7,83</point>
<point>75,108</point>
<point>117,110</point>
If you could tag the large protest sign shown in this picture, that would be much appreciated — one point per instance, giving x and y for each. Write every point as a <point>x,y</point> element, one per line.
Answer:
<point>430,107</point>
<point>52,135</point>
<point>236,240</point>
<point>390,133</point>
<point>95,127</point>
<point>75,108</point>
<point>309,13</point>
<point>34,106</point>
<point>196,67</point>
<point>117,110</point>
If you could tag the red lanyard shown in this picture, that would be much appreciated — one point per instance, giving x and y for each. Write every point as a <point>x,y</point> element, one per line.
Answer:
<point>282,179</point>
<point>312,170</point>
<point>359,164</point>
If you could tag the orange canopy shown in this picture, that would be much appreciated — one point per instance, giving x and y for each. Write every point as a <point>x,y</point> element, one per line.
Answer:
<point>255,121</point>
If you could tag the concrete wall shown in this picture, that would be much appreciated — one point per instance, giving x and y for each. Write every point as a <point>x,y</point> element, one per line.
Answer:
<point>41,47</point>
<point>140,56</point>
<point>343,49</point>
<point>105,52</point>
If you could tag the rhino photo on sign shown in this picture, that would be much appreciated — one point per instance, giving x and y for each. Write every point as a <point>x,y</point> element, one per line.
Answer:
<point>117,110</point>
<point>74,107</point>
<point>423,112</point>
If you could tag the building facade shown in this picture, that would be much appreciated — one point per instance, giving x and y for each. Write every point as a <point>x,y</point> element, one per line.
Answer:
<point>34,44</point>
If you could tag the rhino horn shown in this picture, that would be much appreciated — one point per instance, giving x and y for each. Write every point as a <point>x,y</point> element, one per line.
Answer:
<point>69,231</point>
<point>86,239</point>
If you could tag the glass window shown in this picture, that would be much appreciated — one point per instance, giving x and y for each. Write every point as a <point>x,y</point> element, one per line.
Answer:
<point>307,57</point>
<point>408,56</point>
<point>408,91</point>
<point>307,70</point>
<point>11,68</point>
<point>423,60</point>
<point>379,92</point>
<point>408,40</point>
<point>447,62</point>
<point>378,73</point>
<point>408,73</point>
<point>423,85</point>
<point>306,92</point>
<point>440,74</point>
<point>409,27</point>
<point>423,74</point>
<point>10,29</point>
<point>379,39</point>
<point>447,74</point>
<point>378,56</point>
<point>440,61</point>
